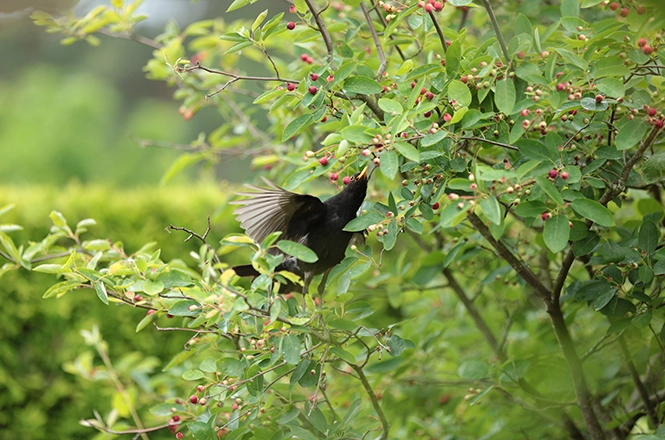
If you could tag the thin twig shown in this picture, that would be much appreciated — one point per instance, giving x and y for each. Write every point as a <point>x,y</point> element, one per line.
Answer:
<point>322,29</point>
<point>379,49</point>
<point>497,30</point>
<point>639,385</point>
<point>488,141</point>
<point>439,31</point>
<point>375,401</point>
<point>385,24</point>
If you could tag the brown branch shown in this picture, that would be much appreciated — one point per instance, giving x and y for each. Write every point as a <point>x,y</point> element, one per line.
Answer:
<point>132,37</point>
<point>498,144</point>
<point>639,385</point>
<point>562,275</point>
<point>322,29</point>
<point>519,267</point>
<point>497,30</point>
<point>385,24</point>
<point>379,49</point>
<point>385,427</point>
<point>439,31</point>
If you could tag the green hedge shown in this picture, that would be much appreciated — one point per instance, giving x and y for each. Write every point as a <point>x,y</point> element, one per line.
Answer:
<point>38,399</point>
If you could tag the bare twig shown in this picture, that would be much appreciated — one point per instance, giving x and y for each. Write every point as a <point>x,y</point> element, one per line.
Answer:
<point>377,43</point>
<point>375,401</point>
<point>439,31</point>
<point>488,141</point>
<point>322,29</point>
<point>497,30</point>
<point>639,385</point>
<point>385,24</point>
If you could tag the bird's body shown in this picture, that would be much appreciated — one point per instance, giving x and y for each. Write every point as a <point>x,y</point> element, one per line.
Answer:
<point>303,219</point>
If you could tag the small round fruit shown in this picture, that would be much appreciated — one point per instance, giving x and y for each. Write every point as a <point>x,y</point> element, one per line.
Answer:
<point>640,9</point>
<point>552,174</point>
<point>642,42</point>
<point>179,435</point>
<point>438,6</point>
<point>614,6</point>
<point>304,57</point>
<point>366,152</point>
<point>314,76</point>
<point>647,50</point>
<point>599,98</point>
<point>624,12</point>
<point>447,117</point>
<point>193,399</point>
<point>290,87</point>
<point>429,8</point>
<point>312,90</point>
<point>334,177</point>
<point>429,96</point>
<point>436,206</point>
<point>346,180</point>
<point>564,175</point>
<point>652,111</point>
<point>290,25</point>
<point>330,78</point>
<point>521,55</point>
<point>323,161</point>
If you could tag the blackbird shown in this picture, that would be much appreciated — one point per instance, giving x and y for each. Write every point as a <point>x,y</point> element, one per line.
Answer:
<point>304,219</point>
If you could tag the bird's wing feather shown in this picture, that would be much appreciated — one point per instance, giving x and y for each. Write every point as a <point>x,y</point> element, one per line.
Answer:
<point>271,209</point>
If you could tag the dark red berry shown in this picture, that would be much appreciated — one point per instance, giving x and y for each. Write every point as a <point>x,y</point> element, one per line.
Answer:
<point>193,399</point>
<point>178,435</point>
<point>312,90</point>
<point>323,161</point>
<point>334,177</point>
<point>314,76</point>
<point>346,180</point>
<point>552,174</point>
<point>290,25</point>
<point>599,98</point>
<point>436,206</point>
<point>290,87</point>
<point>614,6</point>
<point>429,96</point>
<point>624,12</point>
<point>521,55</point>
<point>642,42</point>
<point>652,111</point>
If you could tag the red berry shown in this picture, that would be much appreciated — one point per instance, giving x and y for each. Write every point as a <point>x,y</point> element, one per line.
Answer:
<point>521,55</point>
<point>309,60</point>
<point>599,98</point>
<point>234,406</point>
<point>624,12</point>
<point>658,124</point>
<point>304,57</point>
<point>564,175</point>
<point>652,111</point>
<point>346,180</point>
<point>447,117</point>
<point>334,177</point>
<point>193,399</point>
<point>323,161</point>
<point>290,25</point>
<point>423,91</point>
<point>438,6</point>
<point>175,418</point>
<point>312,90</point>
<point>290,87</point>
<point>324,119</point>
<point>292,9</point>
<point>429,96</point>
<point>560,87</point>
<point>545,215</point>
<point>200,388</point>
<point>647,50</point>
<point>138,297</point>
<point>427,114</point>
<point>614,6</point>
<point>330,78</point>
<point>552,174</point>
<point>429,8</point>
<point>314,76</point>
<point>642,42</point>
<point>151,311</point>
<point>525,112</point>
<point>436,206</point>
<point>178,435</point>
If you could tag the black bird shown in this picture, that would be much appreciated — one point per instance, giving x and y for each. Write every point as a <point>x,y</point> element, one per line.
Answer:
<point>304,219</point>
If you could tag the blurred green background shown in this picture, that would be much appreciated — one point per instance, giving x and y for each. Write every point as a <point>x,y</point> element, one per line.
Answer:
<point>69,120</point>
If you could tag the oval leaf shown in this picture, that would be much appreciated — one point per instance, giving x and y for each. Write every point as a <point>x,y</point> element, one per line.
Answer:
<point>303,253</point>
<point>594,211</point>
<point>556,233</point>
<point>362,85</point>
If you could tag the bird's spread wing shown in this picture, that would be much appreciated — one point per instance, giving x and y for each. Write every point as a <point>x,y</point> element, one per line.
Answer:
<point>271,209</point>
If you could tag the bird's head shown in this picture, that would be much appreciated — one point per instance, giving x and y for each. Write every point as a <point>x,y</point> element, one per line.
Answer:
<point>354,192</point>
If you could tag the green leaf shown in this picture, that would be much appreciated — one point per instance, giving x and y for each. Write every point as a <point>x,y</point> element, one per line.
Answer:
<point>631,133</point>
<point>301,252</point>
<point>459,91</point>
<point>100,288</point>
<point>473,370</point>
<point>183,161</point>
<point>389,164</point>
<point>61,288</point>
<point>593,211</point>
<point>237,4</point>
<point>648,237</point>
<point>192,375</point>
<point>182,308</point>
<point>407,150</point>
<point>556,233</point>
<point>362,85</point>
<point>48,268</point>
<point>290,349</point>
<point>202,431</point>
<point>231,367</point>
<point>549,189</point>
<point>296,126</point>
<point>654,168</point>
<point>390,238</point>
<point>390,106</point>
<point>532,149</point>
<point>453,58</point>
<point>611,87</point>
<point>364,221</point>
<point>533,208</point>
<point>343,355</point>
<point>592,105</point>
<point>570,8</point>
<point>504,97</point>
<point>147,319</point>
<point>492,209</point>
<point>259,19</point>
<point>572,58</point>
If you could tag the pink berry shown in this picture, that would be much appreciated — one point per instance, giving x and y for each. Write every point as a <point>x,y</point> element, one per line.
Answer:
<point>193,399</point>
<point>138,297</point>
<point>560,87</point>
<point>624,12</point>
<point>429,96</point>
<point>642,42</point>
<point>438,6</point>
<point>290,25</point>
<point>314,76</point>
<point>304,57</point>
<point>290,87</point>
<point>545,215</point>
<point>421,4</point>
<point>652,111</point>
<point>334,177</point>
<point>552,174</point>
<point>614,6</point>
<point>234,406</point>
<point>429,8</point>
<point>447,117</point>
<point>525,112</point>
<point>292,9</point>
<point>151,311</point>
<point>346,180</point>
<point>564,175</point>
<point>599,98</point>
<point>647,50</point>
<point>323,161</point>
<point>330,78</point>
<point>366,152</point>
<point>178,435</point>
<point>312,90</point>
<point>521,55</point>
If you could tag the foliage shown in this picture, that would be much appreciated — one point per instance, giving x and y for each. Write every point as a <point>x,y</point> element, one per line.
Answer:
<point>527,145</point>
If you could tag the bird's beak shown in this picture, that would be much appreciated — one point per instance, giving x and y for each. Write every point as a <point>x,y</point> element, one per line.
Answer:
<point>363,173</point>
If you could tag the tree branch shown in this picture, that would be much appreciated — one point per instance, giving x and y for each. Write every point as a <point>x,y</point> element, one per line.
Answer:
<point>322,29</point>
<point>639,385</point>
<point>488,141</point>
<point>379,49</point>
<point>375,401</point>
<point>439,31</point>
<point>497,30</point>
